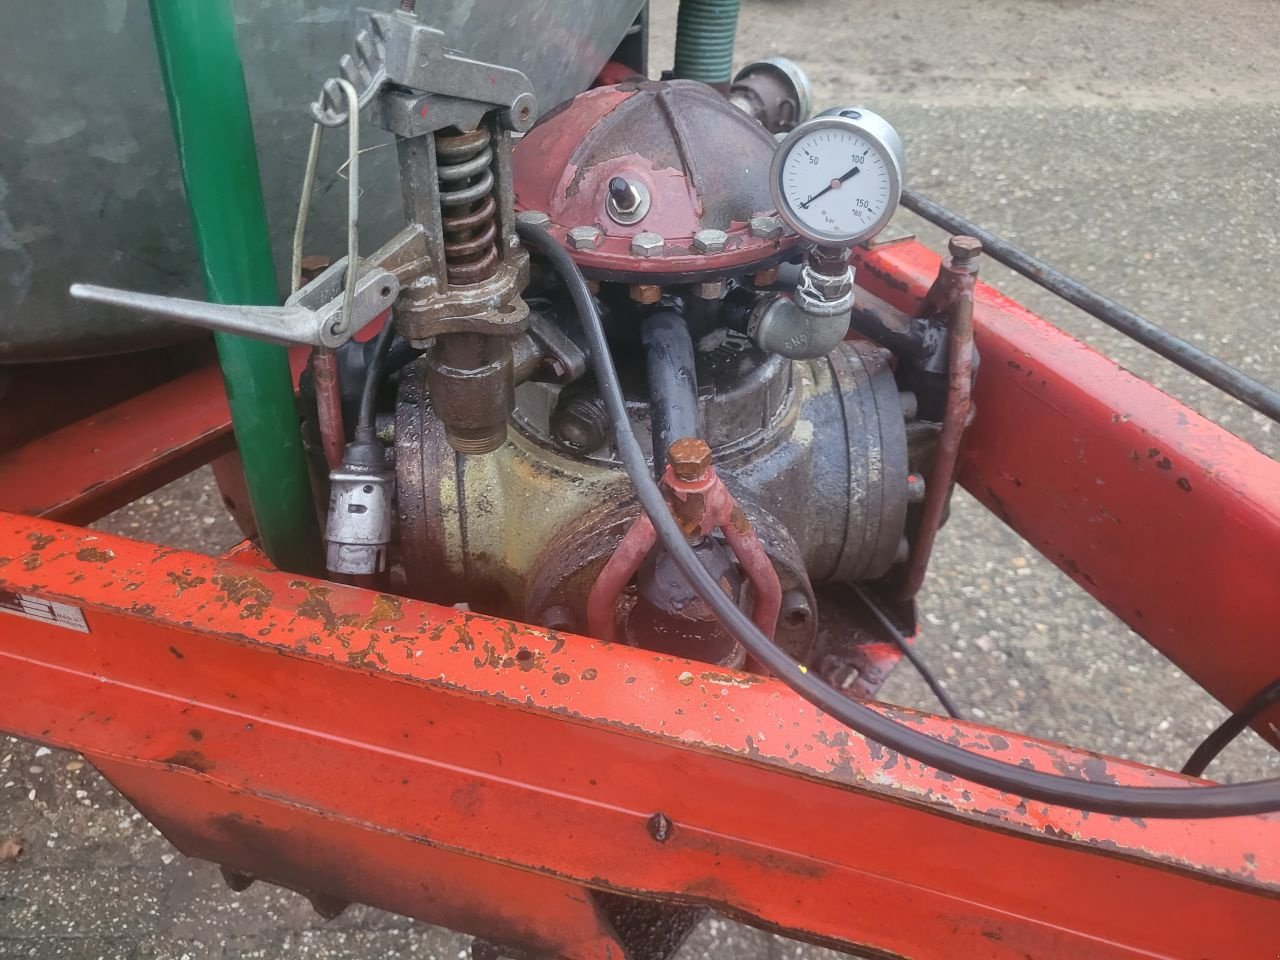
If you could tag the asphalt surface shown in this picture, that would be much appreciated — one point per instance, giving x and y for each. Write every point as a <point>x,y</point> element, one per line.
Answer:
<point>1131,144</point>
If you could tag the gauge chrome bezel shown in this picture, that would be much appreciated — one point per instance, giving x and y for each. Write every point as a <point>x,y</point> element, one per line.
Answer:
<point>878,133</point>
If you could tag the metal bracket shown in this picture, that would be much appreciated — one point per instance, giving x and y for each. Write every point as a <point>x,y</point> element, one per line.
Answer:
<point>312,316</point>
<point>397,49</point>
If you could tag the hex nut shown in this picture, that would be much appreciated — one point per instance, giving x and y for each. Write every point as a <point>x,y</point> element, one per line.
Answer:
<point>584,238</point>
<point>534,218</point>
<point>690,458</point>
<point>710,241</point>
<point>964,248</point>
<point>766,228</point>
<point>646,292</point>
<point>711,290</point>
<point>648,245</point>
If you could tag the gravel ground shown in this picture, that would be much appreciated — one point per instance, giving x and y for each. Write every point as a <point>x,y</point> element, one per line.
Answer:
<point>1130,143</point>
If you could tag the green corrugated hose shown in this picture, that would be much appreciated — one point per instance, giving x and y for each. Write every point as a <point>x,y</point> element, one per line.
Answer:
<point>705,31</point>
<point>209,107</point>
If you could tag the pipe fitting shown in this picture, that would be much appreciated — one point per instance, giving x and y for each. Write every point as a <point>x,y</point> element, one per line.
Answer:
<point>799,328</point>
<point>824,294</point>
<point>775,91</point>
<point>471,377</point>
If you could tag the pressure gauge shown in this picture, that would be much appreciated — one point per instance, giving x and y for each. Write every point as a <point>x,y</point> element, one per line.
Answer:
<point>836,179</point>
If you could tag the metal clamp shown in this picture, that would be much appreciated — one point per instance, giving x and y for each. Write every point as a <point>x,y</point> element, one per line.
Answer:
<point>312,316</point>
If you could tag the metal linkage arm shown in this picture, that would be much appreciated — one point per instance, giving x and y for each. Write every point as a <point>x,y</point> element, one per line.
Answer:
<point>396,49</point>
<point>312,316</point>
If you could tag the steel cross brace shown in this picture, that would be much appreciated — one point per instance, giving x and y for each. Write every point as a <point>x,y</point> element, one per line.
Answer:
<point>484,775</point>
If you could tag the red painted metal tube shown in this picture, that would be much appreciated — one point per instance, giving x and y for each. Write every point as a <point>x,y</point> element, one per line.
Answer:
<point>602,601</point>
<point>546,753</point>
<point>718,511</point>
<point>95,465</point>
<point>954,420</point>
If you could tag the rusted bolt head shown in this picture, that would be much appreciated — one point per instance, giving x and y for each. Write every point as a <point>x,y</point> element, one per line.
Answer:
<point>766,277</point>
<point>646,292</point>
<point>710,241</point>
<point>766,228</point>
<point>584,238</point>
<point>690,458</point>
<point>314,264</point>
<point>648,245</point>
<point>534,218</point>
<point>964,248</point>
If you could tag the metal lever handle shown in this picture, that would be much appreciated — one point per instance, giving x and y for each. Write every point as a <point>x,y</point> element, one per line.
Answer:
<point>312,316</point>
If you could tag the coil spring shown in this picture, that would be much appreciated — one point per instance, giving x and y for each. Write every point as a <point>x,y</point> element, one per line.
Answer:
<point>463,162</point>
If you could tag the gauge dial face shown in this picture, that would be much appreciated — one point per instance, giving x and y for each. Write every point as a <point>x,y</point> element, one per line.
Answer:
<point>836,182</point>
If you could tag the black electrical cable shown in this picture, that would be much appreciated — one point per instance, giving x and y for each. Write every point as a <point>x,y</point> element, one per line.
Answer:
<point>911,654</point>
<point>1178,802</point>
<point>366,427</point>
<point>1231,728</point>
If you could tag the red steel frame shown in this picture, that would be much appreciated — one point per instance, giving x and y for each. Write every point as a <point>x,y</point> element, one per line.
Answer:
<point>487,775</point>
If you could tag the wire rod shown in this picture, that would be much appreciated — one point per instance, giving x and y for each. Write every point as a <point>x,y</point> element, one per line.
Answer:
<point>353,204</point>
<point>304,209</point>
<point>910,653</point>
<point>1234,382</point>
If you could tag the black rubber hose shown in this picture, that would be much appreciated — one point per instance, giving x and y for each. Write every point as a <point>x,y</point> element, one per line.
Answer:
<point>1191,801</point>
<point>673,382</point>
<point>366,428</point>
<point>1231,728</point>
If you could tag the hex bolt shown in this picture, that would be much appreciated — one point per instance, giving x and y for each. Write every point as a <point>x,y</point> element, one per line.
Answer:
<point>766,277</point>
<point>646,292</point>
<point>648,245</point>
<point>659,827</point>
<point>766,228</point>
<point>710,241</point>
<point>964,248</point>
<point>712,290</point>
<point>584,238</point>
<point>690,458</point>
<point>535,218</point>
<point>795,611</point>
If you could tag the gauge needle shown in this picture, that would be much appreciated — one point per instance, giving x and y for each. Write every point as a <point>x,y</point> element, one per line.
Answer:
<point>831,186</point>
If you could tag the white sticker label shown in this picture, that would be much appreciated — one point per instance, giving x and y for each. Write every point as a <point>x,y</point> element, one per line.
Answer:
<point>45,611</point>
